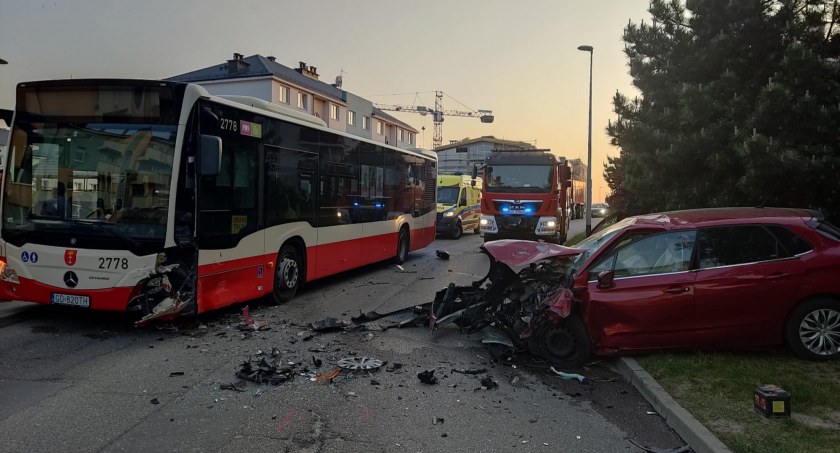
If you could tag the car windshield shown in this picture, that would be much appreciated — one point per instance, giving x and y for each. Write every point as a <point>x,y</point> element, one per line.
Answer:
<point>447,195</point>
<point>597,240</point>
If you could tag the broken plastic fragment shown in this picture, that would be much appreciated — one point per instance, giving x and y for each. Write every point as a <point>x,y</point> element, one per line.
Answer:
<point>489,384</point>
<point>442,254</point>
<point>427,377</point>
<point>563,375</point>
<point>250,323</point>
<point>328,324</point>
<point>327,377</point>
<point>167,309</point>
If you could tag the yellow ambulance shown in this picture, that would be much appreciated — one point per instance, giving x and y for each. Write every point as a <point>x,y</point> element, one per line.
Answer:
<point>458,205</point>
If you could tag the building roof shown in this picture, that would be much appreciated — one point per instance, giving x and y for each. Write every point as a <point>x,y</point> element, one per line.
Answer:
<point>260,66</point>
<point>485,139</point>
<point>382,114</point>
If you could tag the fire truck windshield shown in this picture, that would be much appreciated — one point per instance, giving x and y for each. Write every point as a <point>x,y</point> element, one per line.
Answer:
<point>519,178</point>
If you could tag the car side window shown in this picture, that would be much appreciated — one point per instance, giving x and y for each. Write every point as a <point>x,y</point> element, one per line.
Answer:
<point>792,243</point>
<point>654,254</point>
<point>727,246</point>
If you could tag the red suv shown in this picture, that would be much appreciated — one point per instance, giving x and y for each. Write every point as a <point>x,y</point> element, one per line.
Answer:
<point>712,278</point>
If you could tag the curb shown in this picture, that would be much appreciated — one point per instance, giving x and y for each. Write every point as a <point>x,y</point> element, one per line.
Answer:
<point>698,437</point>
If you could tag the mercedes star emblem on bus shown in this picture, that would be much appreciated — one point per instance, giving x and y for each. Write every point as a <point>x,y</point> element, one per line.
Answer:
<point>72,241</point>
<point>70,279</point>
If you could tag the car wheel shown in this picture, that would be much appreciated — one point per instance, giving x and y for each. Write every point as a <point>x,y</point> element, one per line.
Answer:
<point>459,229</point>
<point>566,345</point>
<point>288,274</point>
<point>402,246</point>
<point>813,329</point>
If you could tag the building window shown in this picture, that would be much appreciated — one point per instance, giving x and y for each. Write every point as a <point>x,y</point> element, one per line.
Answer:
<point>303,101</point>
<point>402,135</point>
<point>379,127</point>
<point>411,138</point>
<point>333,111</point>
<point>351,117</point>
<point>366,123</point>
<point>284,94</point>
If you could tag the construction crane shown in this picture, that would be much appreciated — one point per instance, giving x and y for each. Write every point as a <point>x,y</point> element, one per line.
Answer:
<point>486,116</point>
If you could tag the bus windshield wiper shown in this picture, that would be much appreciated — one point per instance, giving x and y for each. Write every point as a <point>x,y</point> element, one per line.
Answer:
<point>101,225</point>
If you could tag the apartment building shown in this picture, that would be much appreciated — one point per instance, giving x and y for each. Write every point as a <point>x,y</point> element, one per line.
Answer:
<point>301,88</point>
<point>460,157</point>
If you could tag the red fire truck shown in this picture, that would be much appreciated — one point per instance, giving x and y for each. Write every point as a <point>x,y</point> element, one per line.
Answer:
<point>524,196</point>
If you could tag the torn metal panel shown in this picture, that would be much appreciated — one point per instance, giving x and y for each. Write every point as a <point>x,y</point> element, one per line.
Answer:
<point>526,309</point>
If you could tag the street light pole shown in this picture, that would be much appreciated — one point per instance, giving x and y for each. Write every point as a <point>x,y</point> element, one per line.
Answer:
<point>589,147</point>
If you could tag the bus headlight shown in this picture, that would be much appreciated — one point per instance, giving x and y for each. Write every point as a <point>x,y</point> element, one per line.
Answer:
<point>488,224</point>
<point>546,226</point>
<point>7,274</point>
<point>449,213</point>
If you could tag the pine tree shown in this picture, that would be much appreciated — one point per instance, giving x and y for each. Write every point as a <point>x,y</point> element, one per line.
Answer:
<point>739,105</point>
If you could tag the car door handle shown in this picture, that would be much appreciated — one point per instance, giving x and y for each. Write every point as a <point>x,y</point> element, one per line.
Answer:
<point>778,276</point>
<point>677,289</point>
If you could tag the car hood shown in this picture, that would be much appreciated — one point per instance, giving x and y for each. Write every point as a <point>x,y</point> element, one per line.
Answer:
<point>519,253</point>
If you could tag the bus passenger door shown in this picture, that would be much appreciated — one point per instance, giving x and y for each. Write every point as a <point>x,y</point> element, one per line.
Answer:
<point>231,243</point>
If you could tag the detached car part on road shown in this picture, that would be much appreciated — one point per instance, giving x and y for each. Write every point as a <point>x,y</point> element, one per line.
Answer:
<point>697,279</point>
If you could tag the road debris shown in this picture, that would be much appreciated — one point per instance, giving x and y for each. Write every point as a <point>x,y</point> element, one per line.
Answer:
<point>176,373</point>
<point>154,401</point>
<point>263,372</point>
<point>360,363</point>
<point>464,371</point>
<point>582,379</point>
<point>317,362</point>
<point>235,386</point>
<point>393,367</point>
<point>329,324</point>
<point>249,323</point>
<point>442,254</point>
<point>367,337</point>
<point>326,378</point>
<point>437,420</point>
<point>427,377</point>
<point>488,383</point>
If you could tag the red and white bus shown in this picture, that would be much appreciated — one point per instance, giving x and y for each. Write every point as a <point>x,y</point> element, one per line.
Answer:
<point>155,196</point>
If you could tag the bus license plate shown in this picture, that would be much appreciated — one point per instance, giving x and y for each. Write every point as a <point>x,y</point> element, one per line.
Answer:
<point>70,299</point>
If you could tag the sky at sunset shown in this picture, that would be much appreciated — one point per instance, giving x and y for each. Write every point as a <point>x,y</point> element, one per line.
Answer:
<point>518,59</point>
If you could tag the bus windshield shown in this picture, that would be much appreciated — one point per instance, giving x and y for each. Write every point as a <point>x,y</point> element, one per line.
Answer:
<point>110,173</point>
<point>519,178</point>
<point>88,176</point>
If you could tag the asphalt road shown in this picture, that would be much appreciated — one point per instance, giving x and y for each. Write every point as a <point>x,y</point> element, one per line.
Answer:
<point>78,381</point>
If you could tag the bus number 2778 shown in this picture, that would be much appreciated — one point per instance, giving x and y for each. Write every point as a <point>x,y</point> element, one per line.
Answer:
<point>113,263</point>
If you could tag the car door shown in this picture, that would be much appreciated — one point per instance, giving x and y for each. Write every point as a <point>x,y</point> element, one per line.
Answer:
<point>746,279</point>
<point>651,293</point>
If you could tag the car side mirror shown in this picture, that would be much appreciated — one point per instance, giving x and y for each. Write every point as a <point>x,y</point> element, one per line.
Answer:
<point>605,279</point>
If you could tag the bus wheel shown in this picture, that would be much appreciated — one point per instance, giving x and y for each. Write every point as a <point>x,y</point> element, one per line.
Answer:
<point>459,229</point>
<point>288,274</point>
<point>402,246</point>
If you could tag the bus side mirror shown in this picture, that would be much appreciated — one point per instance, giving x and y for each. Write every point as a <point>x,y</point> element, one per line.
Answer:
<point>474,174</point>
<point>210,155</point>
